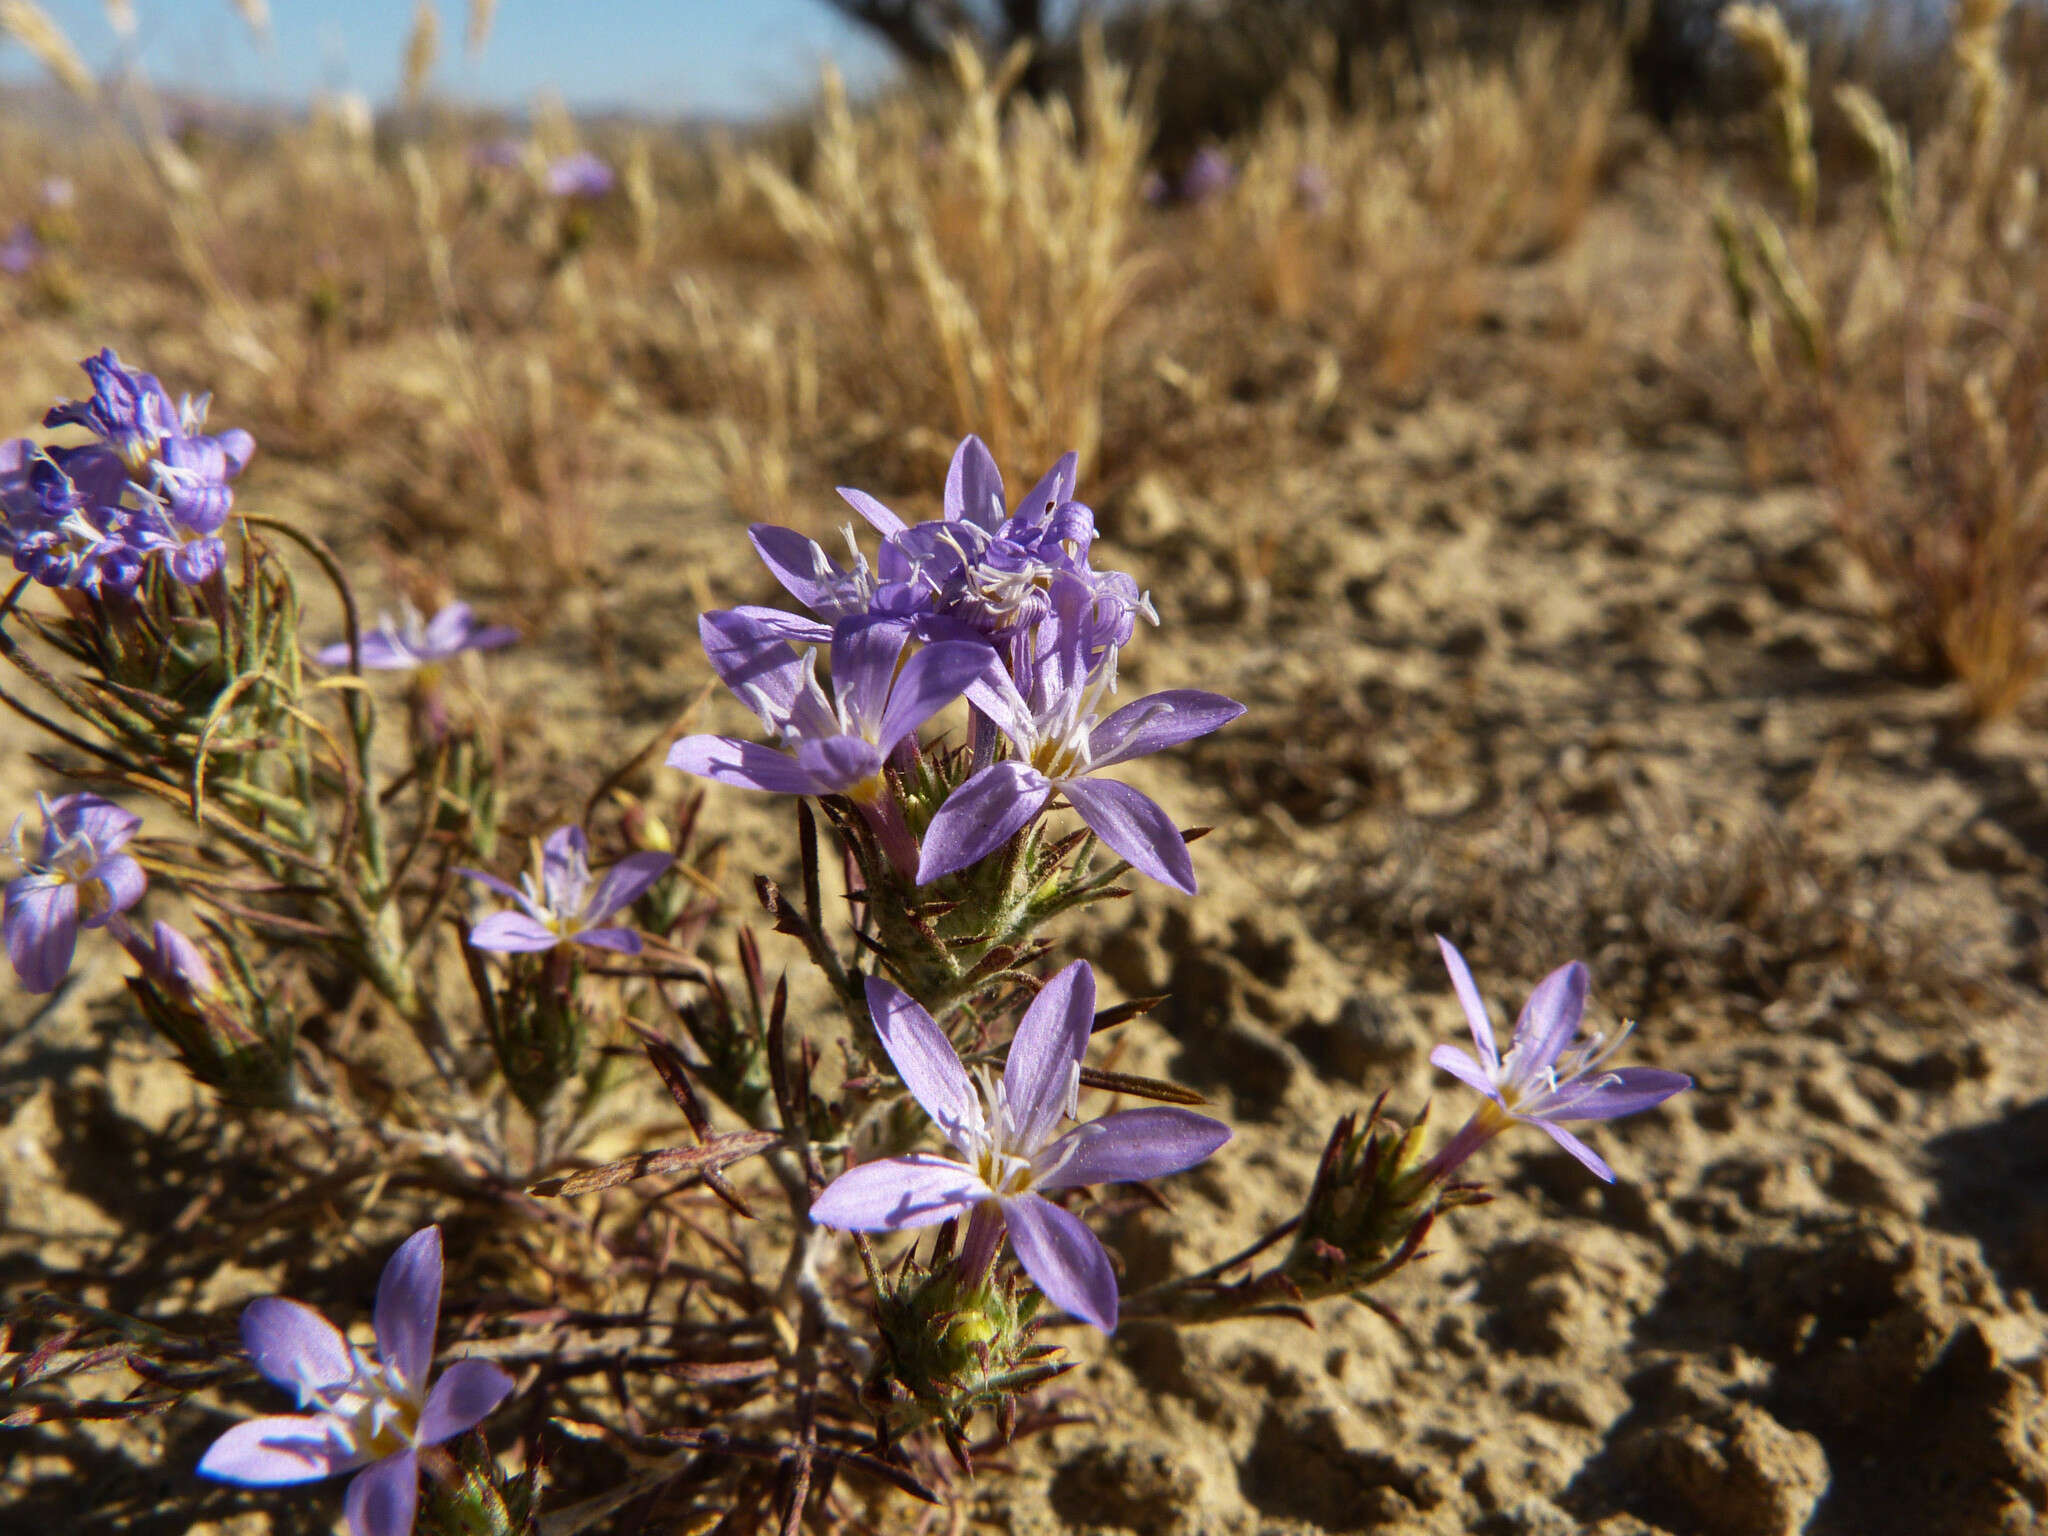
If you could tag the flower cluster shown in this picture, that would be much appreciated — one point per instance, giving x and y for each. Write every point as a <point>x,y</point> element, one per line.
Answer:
<point>1006,610</point>
<point>151,485</point>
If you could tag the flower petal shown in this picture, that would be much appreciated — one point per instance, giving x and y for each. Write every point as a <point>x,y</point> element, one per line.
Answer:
<point>1549,1019</point>
<point>750,653</point>
<point>512,933</point>
<point>1054,490</point>
<point>124,882</point>
<point>1132,1144</point>
<point>1585,1154</point>
<point>1134,825</point>
<point>271,1452</point>
<point>794,560</point>
<point>865,653</point>
<point>743,764</point>
<point>995,694</point>
<point>1064,1259</point>
<point>1047,1048</point>
<point>1472,1074</point>
<point>509,891</point>
<point>383,1498</point>
<point>108,825</point>
<point>895,1193</point>
<point>1158,721</point>
<point>974,486</point>
<point>492,637</point>
<point>980,816</point>
<point>295,1346</point>
<point>1476,1017</point>
<point>467,1391</point>
<point>1625,1091</point>
<point>42,930</point>
<point>409,1306</point>
<point>879,517</point>
<point>621,941</point>
<point>625,883</point>
<point>447,630</point>
<point>924,1058</point>
<point>929,681</point>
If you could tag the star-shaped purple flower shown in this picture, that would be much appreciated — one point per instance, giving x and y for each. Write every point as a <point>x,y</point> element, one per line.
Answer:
<point>580,175</point>
<point>827,744</point>
<point>413,643</point>
<point>79,878</point>
<point>1009,1155</point>
<point>1539,1082</point>
<point>563,907</point>
<point>1061,745</point>
<point>373,1415</point>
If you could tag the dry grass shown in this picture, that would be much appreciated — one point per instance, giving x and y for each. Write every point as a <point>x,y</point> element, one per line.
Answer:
<point>1902,333</point>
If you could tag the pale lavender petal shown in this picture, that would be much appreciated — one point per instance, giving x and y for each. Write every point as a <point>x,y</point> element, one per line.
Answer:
<point>1064,1259</point>
<point>1449,1058</point>
<point>793,560</point>
<point>622,941</point>
<point>1549,1019</point>
<point>751,655</point>
<point>1136,827</point>
<point>566,850</point>
<point>467,1391</point>
<point>995,694</point>
<point>105,823</point>
<point>1055,489</point>
<point>838,765</point>
<point>1047,1047</point>
<point>932,679</point>
<point>743,764</point>
<point>42,930</point>
<point>865,651</point>
<point>512,933</point>
<point>293,1345</point>
<point>447,629</point>
<point>1476,1016</point>
<point>879,517</point>
<point>492,637</point>
<point>1578,1149</point>
<point>503,888</point>
<point>383,1498</point>
<point>1159,721</point>
<point>272,1452</point>
<point>409,1306</point>
<point>924,1058</point>
<point>1625,1091</point>
<point>1133,1144</point>
<point>382,651</point>
<point>974,486</point>
<point>238,447</point>
<point>895,1193</point>
<point>626,882</point>
<point>124,882</point>
<point>980,816</point>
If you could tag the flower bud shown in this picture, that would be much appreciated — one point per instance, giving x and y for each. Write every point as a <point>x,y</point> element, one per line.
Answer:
<point>225,1034</point>
<point>482,1499</point>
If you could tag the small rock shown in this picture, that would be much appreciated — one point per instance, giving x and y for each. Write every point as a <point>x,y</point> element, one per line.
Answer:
<point>1747,1476</point>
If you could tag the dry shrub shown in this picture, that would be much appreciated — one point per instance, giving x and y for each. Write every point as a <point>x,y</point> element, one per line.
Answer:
<point>973,251</point>
<point>1903,333</point>
<point>1385,217</point>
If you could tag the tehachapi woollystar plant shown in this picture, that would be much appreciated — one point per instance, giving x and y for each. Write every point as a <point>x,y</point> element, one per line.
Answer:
<point>315,869</point>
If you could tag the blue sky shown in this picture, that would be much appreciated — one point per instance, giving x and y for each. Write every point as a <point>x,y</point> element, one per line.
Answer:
<point>717,58</point>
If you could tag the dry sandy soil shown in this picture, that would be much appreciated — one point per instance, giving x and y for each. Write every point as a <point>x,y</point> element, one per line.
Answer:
<point>1541,668</point>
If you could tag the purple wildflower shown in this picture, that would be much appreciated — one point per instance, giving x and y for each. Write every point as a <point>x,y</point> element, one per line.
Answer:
<point>414,643</point>
<point>828,744</point>
<point>20,251</point>
<point>128,411</point>
<point>1209,174</point>
<point>370,1415</point>
<point>562,907</point>
<point>79,878</point>
<point>1539,1082</point>
<point>1009,1157</point>
<point>170,960</point>
<point>1062,746</point>
<point>580,175</point>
